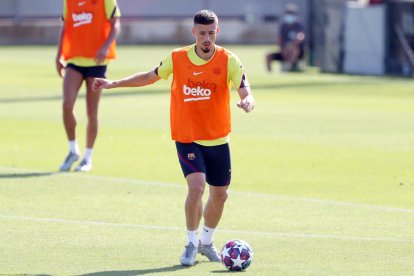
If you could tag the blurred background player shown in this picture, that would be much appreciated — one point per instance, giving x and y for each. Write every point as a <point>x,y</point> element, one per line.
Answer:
<point>290,40</point>
<point>86,44</point>
<point>200,124</point>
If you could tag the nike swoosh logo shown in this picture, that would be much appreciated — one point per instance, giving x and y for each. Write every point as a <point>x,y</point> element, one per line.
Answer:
<point>197,73</point>
<point>81,3</point>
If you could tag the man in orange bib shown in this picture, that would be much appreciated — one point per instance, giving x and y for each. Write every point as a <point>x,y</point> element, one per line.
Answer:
<point>200,124</point>
<point>86,45</point>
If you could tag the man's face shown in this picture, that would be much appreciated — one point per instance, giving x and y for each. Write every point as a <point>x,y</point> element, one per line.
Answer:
<point>205,36</point>
<point>290,18</point>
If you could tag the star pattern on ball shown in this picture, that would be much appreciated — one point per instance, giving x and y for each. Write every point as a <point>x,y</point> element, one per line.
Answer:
<point>225,253</point>
<point>238,262</point>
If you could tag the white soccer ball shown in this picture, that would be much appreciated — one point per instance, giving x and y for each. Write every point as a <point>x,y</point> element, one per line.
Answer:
<point>236,255</point>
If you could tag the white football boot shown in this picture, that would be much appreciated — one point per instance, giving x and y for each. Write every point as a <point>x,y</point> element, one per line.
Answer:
<point>189,254</point>
<point>84,166</point>
<point>69,160</point>
<point>210,251</point>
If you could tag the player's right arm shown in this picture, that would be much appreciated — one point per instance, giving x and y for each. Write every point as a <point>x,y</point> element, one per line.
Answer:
<point>163,71</point>
<point>136,80</point>
<point>58,61</point>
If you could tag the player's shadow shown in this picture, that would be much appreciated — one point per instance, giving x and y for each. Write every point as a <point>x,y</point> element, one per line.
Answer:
<point>28,274</point>
<point>25,175</point>
<point>121,93</point>
<point>137,272</point>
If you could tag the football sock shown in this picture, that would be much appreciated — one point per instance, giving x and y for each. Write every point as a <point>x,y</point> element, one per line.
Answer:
<point>207,235</point>
<point>74,147</point>
<point>88,155</point>
<point>192,236</point>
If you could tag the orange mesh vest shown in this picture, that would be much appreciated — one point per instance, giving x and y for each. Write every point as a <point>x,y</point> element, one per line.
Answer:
<point>86,29</point>
<point>200,98</point>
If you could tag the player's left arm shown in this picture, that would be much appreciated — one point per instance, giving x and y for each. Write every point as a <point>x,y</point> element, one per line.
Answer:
<point>115,29</point>
<point>246,102</point>
<point>238,77</point>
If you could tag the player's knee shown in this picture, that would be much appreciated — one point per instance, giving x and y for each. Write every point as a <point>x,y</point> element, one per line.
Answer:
<point>196,191</point>
<point>67,106</point>
<point>221,197</point>
<point>92,116</point>
<point>92,112</point>
<point>269,57</point>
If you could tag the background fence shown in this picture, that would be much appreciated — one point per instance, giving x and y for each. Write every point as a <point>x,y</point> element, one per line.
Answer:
<point>342,36</point>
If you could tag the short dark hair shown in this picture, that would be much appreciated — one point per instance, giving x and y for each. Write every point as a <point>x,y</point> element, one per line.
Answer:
<point>205,17</point>
<point>291,8</point>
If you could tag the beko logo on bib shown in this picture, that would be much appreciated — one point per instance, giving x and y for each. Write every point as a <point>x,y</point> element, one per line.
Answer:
<point>198,90</point>
<point>82,19</point>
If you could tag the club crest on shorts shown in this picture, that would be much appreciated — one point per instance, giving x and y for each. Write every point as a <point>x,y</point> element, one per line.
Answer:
<point>191,156</point>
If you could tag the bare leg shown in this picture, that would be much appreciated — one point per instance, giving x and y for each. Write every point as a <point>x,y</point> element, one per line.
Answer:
<point>215,205</point>
<point>92,104</point>
<point>295,57</point>
<point>269,62</point>
<point>295,53</point>
<point>193,213</point>
<point>193,203</point>
<point>212,214</point>
<point>71,85</point>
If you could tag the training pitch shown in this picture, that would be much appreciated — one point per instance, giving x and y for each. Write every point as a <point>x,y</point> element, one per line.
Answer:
<point>323,174</point>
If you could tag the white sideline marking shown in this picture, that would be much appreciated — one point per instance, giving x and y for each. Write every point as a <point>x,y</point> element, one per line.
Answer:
<point>250,194</point>
<point>170,228</point>
<point>123,180</point>
<point>331,202</point>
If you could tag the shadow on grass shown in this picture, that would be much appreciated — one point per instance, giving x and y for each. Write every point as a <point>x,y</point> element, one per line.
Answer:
<point>112,94</point>
<point>137,272</point>
<point>306,84</point>
<point>141,92</point>
<point>25,175</point>
<point>27,274</point>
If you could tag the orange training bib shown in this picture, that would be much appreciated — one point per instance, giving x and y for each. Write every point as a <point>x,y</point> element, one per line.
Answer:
<point>86,29</point>
<point>200,98</point>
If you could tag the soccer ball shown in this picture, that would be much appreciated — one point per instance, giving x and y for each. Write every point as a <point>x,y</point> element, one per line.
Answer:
<point>236,255</point>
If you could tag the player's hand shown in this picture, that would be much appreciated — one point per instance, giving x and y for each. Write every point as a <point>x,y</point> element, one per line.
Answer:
<point>99,84</point>
<point>247,104</point>
<point>59,67</point>
<point>101,55</point>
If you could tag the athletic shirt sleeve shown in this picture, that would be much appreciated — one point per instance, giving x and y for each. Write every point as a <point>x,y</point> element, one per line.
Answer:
<point>165,69</point>
<point>64,10</point>
<point>236,74</point>
<point>112,9</point>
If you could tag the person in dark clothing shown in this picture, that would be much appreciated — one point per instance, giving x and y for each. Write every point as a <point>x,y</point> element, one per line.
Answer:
<point>290,41</point>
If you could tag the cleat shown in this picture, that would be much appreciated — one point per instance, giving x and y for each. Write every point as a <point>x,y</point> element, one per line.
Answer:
<point>210,251</point>
<point>70,159</point>
<point>189,254</point>
<point>84,166</point>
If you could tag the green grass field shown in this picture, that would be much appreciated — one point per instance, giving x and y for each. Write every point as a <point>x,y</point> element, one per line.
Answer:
<point>323,174</point>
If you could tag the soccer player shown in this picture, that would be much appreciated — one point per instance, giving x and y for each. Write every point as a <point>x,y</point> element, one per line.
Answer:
<point>200,124</point>
<point>86,44</point>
